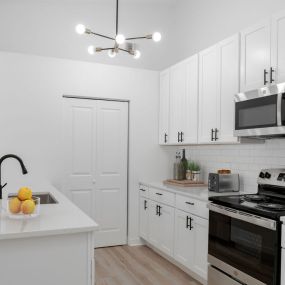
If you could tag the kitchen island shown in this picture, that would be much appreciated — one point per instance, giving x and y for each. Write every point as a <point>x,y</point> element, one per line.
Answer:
<point>56,247</point>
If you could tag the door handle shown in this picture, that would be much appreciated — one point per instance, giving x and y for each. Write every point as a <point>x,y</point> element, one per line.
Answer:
<point>190,224</point>
<point>145,204</point>
<point>182,137</point>
<point>265,72</point>
<point>212,134</point>
<point>165,138</point>
<point>271,75</point>
<point>159,212</point>
<point>178,139</point>
<point>216,134</point>
<point>190,203</point>
<point>187,222</point>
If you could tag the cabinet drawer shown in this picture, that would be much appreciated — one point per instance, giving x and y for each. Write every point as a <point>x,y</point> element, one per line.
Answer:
<point>162,196</point>
<point>144,191</point>
<point>192,206</point>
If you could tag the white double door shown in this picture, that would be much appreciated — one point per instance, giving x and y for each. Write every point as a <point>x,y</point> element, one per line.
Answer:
<point>96,164</point>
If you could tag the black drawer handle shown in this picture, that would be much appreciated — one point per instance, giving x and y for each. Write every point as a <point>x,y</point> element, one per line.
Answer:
<point>190,225</point>
<point>212,134</point>
<point>145,204</point>
<point>165,138</point>
<point>190,203</point>
<point>143,190</point>
<point>187,222</point>
<point>159,194</point>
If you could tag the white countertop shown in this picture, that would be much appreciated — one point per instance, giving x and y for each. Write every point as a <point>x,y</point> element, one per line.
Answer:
<point>201,193</point>
<point>61,218</point>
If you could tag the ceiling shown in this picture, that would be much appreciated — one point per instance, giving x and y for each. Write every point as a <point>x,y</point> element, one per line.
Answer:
<point>46,27</point>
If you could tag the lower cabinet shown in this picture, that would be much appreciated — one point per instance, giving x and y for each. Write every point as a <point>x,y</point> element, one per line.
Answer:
<point>180,234</point>
<point>191,242</point>
<point>161,227</point>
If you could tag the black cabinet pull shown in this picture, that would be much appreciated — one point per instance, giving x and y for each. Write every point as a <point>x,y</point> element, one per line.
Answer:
<point>265,72</point>
<point>187,222</point>
<point>271,75</point>
<point>190,225</point>
<point>159,194</point>
<point>190,203</point>
<point>182,137</point>
<point>159,211</point>
<point>165,138</point>
<point>216,134</point>
<point>145,204</point>
<point>178,137</point>
<point>142,190</point>
<point>212,134</point>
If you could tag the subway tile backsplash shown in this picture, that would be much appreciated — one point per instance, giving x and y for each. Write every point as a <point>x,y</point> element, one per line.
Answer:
<point>245,159</point>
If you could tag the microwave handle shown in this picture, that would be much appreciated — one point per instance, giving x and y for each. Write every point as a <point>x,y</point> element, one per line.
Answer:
<point>243,216</point>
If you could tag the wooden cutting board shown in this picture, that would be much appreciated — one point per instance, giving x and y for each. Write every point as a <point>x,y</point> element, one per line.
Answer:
<point>185,183</point>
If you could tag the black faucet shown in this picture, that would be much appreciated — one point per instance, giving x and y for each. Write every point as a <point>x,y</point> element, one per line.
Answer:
<point>24,170</point>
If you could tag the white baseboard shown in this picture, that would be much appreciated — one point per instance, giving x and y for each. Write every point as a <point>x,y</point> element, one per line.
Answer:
<point>135,242</point>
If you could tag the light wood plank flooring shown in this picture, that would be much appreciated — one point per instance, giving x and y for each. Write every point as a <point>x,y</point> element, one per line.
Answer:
<point>124,265</point>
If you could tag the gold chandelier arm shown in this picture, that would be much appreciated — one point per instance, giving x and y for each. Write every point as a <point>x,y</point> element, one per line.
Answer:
<point>100,35</point>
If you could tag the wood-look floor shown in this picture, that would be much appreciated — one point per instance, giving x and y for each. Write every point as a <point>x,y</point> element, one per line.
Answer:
<point>139,265</point>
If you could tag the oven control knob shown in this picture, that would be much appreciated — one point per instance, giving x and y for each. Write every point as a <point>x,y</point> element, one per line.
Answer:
<point>261,175</point>
<point>267,175</point>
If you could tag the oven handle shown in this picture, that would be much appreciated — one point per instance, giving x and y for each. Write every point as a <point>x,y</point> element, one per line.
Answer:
<point>243,216</point>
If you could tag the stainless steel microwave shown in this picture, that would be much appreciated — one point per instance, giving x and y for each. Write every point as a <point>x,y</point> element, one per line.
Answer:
<point>261,112</point>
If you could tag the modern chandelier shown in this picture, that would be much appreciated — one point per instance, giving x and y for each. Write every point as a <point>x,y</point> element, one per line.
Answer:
<point>119,40</point>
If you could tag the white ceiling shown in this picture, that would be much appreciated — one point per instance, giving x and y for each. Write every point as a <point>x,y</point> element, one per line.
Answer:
<point>46,27</point>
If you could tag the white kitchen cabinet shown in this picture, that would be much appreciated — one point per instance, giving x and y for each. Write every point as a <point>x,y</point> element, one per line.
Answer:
<point>219,82</point>
<point>277,73</point>
<point>208,93</point>
<point>228,86</point>
<point>144,216</point>
<point>161,227</point>
<point>191,242</point>
<point>180,87</point>
<point>164,107</point>
<point>255,56</point>
<point>183,240</point>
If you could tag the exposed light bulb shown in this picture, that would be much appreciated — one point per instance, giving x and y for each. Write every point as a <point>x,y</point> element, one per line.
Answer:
<point>112,53</point>
<point>91,50</point>
<point>156,37</point>
<point>80,29</point>
<point>137,54</point>
<point>120,39</point>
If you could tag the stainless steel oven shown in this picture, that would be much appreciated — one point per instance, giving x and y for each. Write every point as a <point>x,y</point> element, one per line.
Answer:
<point>261,112</point>
<point>243,248</point>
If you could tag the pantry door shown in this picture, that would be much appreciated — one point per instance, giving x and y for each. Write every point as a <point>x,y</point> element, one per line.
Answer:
<point>96,164</point>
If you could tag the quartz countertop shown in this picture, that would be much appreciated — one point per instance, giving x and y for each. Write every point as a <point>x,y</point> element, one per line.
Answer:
<point>200,193</point>
<point>61,218</point>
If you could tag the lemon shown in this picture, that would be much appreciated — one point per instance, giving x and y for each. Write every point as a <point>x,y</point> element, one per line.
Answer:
<point>15,205</point>
<point>28,207</point>
<point>25,193</point>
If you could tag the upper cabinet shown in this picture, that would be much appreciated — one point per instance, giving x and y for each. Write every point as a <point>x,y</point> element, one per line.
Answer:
<point>219,82</point>
<point>255,56</point>
<point>263,54</point>
<point>278,48</point>
<point>179,103</point>
<point>164,107</point>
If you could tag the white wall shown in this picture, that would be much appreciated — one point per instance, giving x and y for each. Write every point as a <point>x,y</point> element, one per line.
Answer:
<point>31,92</point>
<point>197,25</point>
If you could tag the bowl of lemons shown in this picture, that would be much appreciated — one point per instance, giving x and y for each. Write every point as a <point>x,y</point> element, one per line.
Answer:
<point>23,205</point>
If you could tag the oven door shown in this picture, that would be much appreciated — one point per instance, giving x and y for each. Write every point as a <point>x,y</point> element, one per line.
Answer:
<point>244,246</point>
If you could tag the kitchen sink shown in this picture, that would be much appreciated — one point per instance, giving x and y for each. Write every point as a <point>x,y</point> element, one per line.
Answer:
<point>46,198</point>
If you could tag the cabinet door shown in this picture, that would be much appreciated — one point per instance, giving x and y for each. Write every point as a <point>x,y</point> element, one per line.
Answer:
<point>177,99</point>
<point>228,87</point>
<point>166,226</point>
<point>164,107</point>
<point>154,225</point>
<point>144,206</point>
<point>255,56</point>
<point>208,93</point>
<point>190,106</point>
<point>278,48</point>
<point>183,240</point>
<point>200,231</point>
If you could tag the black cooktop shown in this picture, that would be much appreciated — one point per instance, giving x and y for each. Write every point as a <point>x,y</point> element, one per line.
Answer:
<point>262,205</point>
